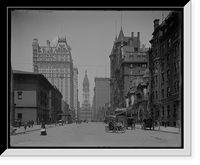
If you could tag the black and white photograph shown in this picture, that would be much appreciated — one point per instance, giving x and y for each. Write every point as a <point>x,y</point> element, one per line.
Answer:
<point>96,79</point>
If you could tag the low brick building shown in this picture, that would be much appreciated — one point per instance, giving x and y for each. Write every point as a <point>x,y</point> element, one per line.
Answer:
<point>35,98</point>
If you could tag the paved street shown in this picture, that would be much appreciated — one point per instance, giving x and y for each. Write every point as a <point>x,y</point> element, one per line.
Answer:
<point>94,135</point>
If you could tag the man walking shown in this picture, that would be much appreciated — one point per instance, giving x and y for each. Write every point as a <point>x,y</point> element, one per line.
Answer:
<point>25,127</point>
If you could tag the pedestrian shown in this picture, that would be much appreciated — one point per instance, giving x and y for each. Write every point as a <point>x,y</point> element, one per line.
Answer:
<point>43,128</point>
<point>32,122</point>
<point>25,126</point>
<point>165,124</point>
<point>29,123</point>
<point>43,124</point>
<point>19,123</point>
<point>156,124</point>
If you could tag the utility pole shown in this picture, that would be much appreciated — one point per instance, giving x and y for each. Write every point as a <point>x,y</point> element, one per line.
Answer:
<point>105,67</point>
<point>121,19</point>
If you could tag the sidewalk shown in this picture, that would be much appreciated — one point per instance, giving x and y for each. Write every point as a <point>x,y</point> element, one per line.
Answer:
<point>30,129</point>
<point>163,129</point>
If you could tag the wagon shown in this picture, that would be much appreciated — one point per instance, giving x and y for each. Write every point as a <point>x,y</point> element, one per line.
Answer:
<point>147,123</point>
<point>130,123</point>
<point>60,122</point>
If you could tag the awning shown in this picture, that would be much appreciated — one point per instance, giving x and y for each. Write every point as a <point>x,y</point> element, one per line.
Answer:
<point>120,109</point>
<point>63,114</point>
<point>120,113</point>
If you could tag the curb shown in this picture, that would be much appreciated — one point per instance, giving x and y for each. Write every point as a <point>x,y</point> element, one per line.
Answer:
<point>22,132</point>
<point>167,131</point>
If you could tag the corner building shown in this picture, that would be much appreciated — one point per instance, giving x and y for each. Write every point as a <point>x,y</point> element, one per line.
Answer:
<point>165,70</point>
<point>56,64</point>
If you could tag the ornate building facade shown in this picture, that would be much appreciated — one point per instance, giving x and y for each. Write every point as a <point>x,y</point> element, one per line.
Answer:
<point>86,111</point>
<point>56,64</point>
<point>128,62</point>
<point>76,91</point>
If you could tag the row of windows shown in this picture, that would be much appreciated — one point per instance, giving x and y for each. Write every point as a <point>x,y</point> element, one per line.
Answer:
<point>155,94</point>
<point>168,91</point>
<point>137,65</point>
<point>52,59</point>
<point>167,45</point>
<point>140,71</point>
<point>55,75</point>
<point>167,61</point>
<point>154,80</point>
<point>52,70</point>
<point>169,111</point>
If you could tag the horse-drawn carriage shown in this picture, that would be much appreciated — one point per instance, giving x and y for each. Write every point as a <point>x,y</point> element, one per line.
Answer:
<point>130,123</point>
<point>115,124</point>
<point>148,123</point>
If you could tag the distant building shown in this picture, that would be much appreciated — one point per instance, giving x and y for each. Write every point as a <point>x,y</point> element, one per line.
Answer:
<point>165,69</point>
<point>75,70</point>
<point>86,110</point>
<point>35,98</point>
<point>56,64</point>
<point>127,64</point>
<point>66,116</point>
<point>101,96</point>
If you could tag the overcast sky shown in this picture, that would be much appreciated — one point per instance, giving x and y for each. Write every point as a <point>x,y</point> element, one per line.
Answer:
<point>90,35</point>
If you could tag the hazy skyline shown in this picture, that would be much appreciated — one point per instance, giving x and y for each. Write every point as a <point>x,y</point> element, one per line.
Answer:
<point>90,35</point>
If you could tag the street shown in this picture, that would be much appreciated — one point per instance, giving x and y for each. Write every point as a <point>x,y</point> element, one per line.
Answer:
<point>94,135</point>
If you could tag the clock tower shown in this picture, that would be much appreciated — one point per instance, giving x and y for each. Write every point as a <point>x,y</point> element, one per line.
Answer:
<point>86,91</point>
<point>86,112</point>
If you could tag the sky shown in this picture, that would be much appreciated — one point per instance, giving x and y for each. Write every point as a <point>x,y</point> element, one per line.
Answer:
<point>90,34</point>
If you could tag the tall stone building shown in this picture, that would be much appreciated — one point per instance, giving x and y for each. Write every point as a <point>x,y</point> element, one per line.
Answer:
<point>56,64</point>
<point>86,111</point>
<point>76,91</point>
<point>127,64</point>
<point>101,96</point>
<point>165,69</point>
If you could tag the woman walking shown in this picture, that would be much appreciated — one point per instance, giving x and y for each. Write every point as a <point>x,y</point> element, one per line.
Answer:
<point>43,128</point>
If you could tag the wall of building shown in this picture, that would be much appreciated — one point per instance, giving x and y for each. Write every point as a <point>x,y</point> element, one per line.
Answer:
<point>27,114</point>
<point>29,99</point>
<point>102,93</point>
<point>166,41</point>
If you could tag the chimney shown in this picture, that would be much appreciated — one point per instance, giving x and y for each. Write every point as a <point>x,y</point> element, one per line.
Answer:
<point>156,23</point>
<point>132,34</point>
<point>131,40</point>
<point>138,40</point>
<point>48,43</point>
<point>143,47</point>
